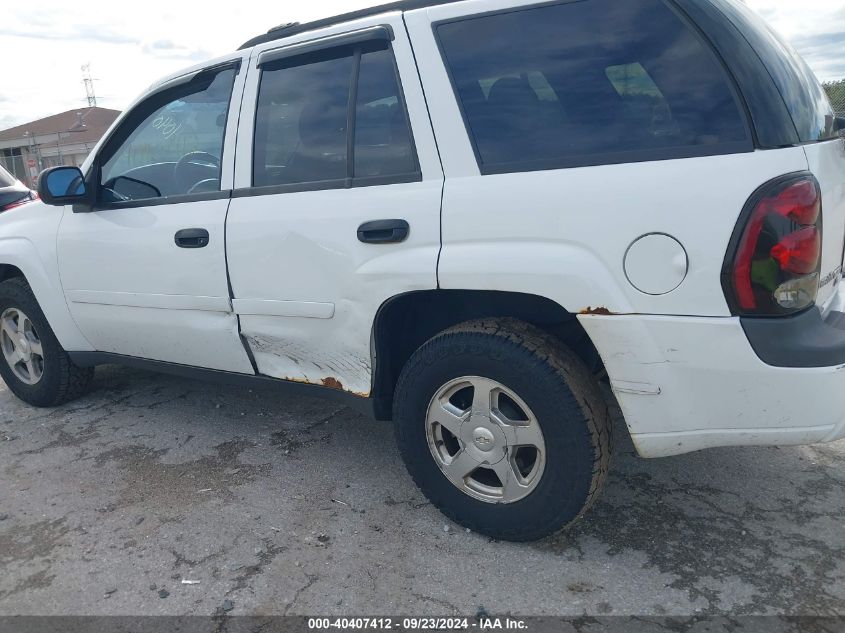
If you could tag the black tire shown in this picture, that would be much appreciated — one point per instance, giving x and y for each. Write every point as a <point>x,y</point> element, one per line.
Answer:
<point>566,400</point>
<point>61,380</point>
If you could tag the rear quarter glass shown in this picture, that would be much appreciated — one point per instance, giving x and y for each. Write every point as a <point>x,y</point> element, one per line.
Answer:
<point>808,105</point>
<point>589,83</point>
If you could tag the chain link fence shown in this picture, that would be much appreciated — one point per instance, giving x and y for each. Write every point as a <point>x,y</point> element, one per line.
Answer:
<point>836,93</point>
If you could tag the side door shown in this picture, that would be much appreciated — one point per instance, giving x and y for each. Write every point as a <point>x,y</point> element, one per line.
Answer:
<point>144,267</point>
<point>337,201</point>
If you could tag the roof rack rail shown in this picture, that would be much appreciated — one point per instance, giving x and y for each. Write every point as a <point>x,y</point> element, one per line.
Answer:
<point>283,27</point>
<point>292,28</point>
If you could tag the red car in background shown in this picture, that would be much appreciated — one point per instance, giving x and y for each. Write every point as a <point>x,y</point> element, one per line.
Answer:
<point>13,193</point>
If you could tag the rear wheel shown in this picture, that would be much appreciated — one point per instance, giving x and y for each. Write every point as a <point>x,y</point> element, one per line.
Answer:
<point>34,365</point>
<point>503,429</point>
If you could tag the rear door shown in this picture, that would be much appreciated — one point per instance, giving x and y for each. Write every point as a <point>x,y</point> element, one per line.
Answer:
<point>336,206</point>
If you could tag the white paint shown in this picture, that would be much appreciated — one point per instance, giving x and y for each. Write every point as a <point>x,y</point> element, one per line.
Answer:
<point>301,250</point>
<point>132,291</point>
<point>656,264</point>
<point>563,233</point>
<point>714,390</point>
<point>827,162</point>
<point>158,301</point>
<point>28,241</point>
<point>306,292</point>
<point>651,445</point>
<point>265,307</point>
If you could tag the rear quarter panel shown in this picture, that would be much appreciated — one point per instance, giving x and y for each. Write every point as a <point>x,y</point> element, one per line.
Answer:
<point>563,234</point>
<point>827,162</point>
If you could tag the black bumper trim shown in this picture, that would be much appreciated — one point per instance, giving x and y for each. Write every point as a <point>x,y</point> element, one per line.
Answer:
<point>803,340</point>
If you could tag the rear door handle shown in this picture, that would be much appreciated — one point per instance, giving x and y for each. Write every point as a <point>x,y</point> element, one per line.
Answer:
<point>192,238</point>
<point>384,232</point>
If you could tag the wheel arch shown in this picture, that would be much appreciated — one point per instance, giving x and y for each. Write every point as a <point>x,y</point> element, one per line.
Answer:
<point>8,271</point>
<point>19,258</point>
<point>404,322</point>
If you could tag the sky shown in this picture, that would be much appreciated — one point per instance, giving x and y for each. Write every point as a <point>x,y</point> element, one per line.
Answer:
<point>44,44</point>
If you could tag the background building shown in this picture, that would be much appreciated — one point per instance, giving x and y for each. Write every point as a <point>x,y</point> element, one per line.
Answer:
<point>61,139</point>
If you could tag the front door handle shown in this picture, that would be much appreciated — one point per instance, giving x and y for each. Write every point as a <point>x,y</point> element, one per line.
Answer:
<point>384,232</point>
<point>192,238</point>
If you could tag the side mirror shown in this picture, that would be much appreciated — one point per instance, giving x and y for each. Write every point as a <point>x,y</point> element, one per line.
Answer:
<point>61,185</point>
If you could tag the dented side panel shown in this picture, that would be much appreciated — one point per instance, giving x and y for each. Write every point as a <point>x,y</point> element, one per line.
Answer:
<point>310,351</point>
<point>306,290</point>
<point>689,383</point>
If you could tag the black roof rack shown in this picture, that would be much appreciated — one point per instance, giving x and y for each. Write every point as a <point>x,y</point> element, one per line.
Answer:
<point>293,28</point>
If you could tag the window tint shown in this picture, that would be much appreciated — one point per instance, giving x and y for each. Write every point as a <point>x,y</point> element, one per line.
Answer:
<point>586,82</point>
<point>382,138</point>
<point>177,145</point>
<point>302,120</point>
<point>805,99</point>
<point>300,131</point>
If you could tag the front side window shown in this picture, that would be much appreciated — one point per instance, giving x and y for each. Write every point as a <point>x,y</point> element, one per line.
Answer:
<point>173,145</point>
<point>589,82</point>
<point>335,117</point>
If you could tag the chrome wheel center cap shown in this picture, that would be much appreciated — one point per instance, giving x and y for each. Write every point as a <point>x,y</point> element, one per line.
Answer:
<point>23,348</point>
<point>483,439</point>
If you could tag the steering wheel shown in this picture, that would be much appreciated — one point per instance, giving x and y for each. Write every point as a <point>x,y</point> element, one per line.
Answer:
<point>194,168</point>
<point>206,186</point>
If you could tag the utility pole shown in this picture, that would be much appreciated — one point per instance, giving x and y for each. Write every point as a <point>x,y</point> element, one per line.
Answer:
<point>89,85</point>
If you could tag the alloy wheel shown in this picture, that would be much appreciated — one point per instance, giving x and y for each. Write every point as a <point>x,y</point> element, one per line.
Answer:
<point>485,440</point>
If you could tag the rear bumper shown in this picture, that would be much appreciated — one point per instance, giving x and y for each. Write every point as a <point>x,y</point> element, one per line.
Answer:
<point>815,338</point>
<point>689,383</point>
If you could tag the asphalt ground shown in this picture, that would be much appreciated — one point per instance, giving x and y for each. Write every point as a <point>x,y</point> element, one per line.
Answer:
<point>277,505</point>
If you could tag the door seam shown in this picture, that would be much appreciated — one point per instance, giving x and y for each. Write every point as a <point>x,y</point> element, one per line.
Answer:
<point>241,337</point>
<point>436,147</point>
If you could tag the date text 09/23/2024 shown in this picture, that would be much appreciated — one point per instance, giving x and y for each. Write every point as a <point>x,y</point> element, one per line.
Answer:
<point>486,623</point>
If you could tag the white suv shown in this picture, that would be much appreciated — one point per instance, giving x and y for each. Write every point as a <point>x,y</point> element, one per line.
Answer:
<point>464,216</point>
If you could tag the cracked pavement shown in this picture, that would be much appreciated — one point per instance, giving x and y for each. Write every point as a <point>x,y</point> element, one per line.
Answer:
<point>287,505</point>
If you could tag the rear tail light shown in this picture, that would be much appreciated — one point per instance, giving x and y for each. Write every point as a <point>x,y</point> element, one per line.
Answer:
<point>773,265</point>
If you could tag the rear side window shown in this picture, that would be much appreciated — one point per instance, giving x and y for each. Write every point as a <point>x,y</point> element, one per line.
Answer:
<point>335,117</point>
<point>805,99</point>
<point>382,138</point>
<point>300,131</point>
<point>587,83</point>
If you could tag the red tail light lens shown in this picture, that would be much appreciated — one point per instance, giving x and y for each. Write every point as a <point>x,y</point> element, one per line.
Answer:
<point>773,265</point>
<point>799,201</point>
<point>799,252</point>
